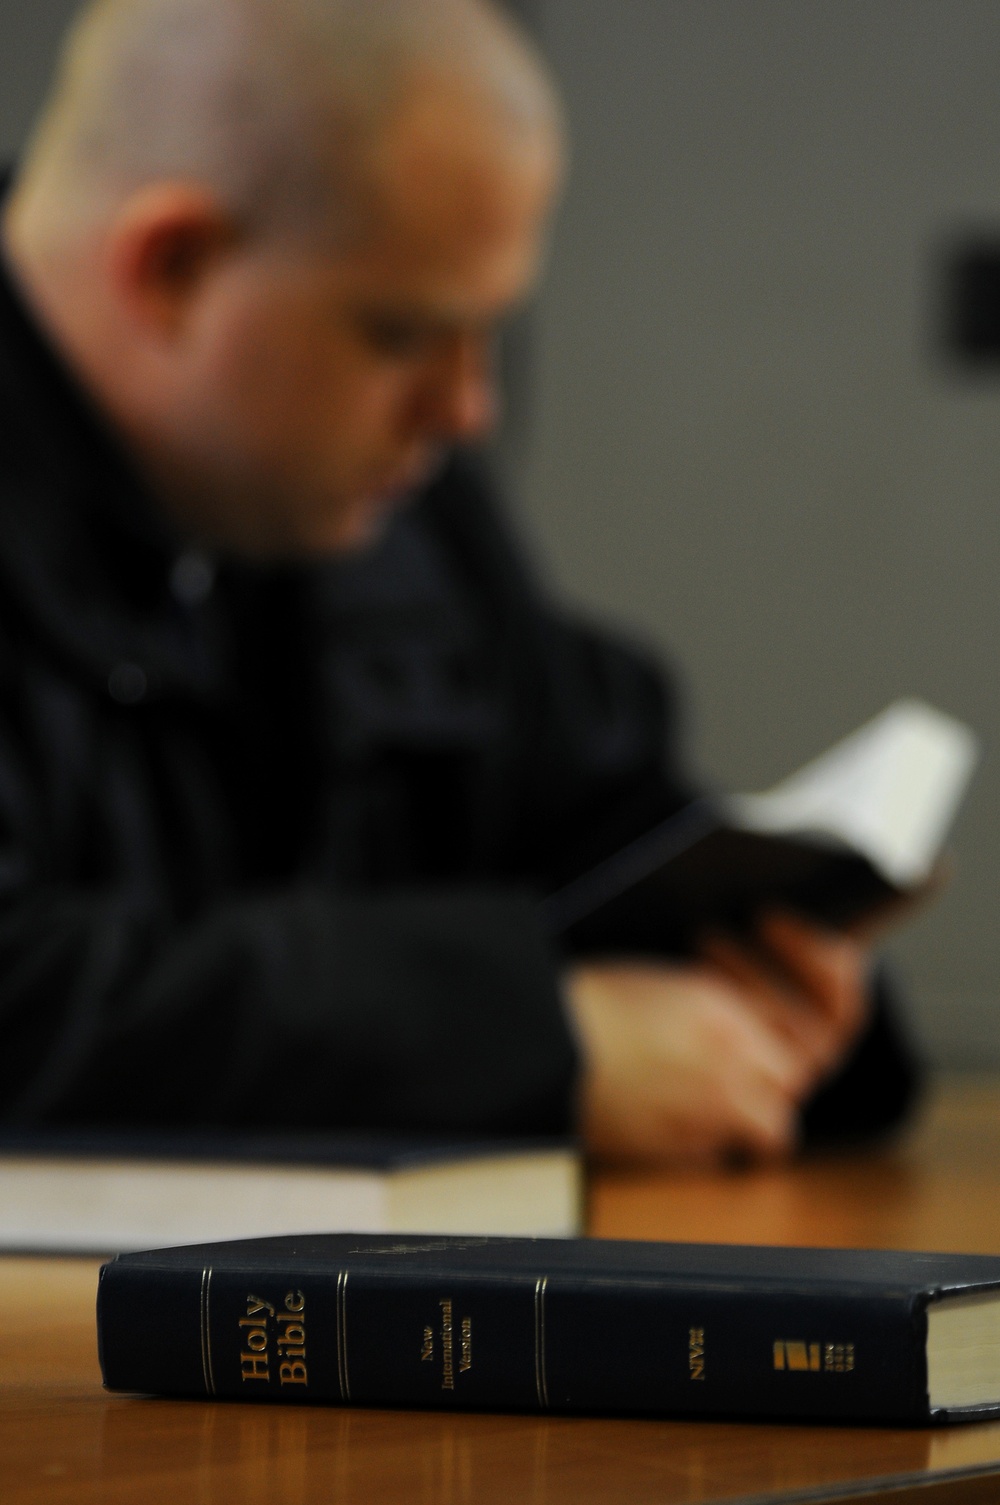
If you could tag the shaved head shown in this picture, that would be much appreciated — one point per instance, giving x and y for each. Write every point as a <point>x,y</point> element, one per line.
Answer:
<point>278,107</point>
<point>274,241</point>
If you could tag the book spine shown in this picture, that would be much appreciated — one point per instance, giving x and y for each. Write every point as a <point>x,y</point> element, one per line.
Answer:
<point>544,1343</point>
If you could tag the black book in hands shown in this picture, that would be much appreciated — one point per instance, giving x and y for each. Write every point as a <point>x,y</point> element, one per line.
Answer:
<point>570,1325</point>
<point>843,841</point>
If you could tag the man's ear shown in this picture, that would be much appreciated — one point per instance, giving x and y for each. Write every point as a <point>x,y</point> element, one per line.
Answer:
<point>164,243</point>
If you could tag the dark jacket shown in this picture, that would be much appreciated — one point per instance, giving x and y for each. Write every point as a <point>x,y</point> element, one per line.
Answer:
<point>271,840</point>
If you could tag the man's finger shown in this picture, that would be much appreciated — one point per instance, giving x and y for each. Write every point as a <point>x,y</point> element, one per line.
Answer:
<point>829,967</point>
<point>781,1004</point>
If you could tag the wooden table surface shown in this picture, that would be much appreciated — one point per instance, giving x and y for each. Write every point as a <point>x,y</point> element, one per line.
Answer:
<point>63,1439</point>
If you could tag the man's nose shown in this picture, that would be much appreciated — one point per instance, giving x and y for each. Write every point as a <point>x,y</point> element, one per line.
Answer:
<point>462,399</point>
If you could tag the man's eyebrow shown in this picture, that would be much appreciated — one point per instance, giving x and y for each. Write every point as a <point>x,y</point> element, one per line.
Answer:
<point>432,320</point>
<point>402,313</point>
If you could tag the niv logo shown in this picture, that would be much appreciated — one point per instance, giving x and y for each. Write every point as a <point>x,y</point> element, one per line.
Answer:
<point>791,1354</point>
<point>814,1358</point>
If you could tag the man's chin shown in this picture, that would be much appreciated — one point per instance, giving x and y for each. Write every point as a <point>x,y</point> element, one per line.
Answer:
<point>327,528</point>
<point>360,525</point>
<point>362,531</point>
<point>364,521</point>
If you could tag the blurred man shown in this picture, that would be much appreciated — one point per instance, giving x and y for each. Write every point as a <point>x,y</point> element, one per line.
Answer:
<point>290,742</point>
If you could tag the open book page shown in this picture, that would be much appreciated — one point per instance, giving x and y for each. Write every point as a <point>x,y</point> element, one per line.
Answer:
<point>889,790</point>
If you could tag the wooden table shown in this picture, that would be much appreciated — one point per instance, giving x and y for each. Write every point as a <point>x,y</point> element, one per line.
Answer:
<point>63,1439</point>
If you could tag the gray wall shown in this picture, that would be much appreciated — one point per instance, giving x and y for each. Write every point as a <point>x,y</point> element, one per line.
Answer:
<point>29,37</point>
<point>742,445</point>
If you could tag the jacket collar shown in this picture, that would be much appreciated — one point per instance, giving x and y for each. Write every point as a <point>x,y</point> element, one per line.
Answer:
<point>84,551</point>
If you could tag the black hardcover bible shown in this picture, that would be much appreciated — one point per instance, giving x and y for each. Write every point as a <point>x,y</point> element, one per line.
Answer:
<point>572,1325</point>
<point>849,835</point>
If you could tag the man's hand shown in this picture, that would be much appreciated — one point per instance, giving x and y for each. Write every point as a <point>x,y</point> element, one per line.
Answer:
<point>700,1062</point>
<point>807,984</point>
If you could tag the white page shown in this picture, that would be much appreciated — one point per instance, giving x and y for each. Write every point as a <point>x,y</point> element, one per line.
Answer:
<point>890,790</point>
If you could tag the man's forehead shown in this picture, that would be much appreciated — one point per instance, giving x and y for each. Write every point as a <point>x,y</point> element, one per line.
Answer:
<point>466,279</point>
<point>456,247</point>
<point>446,157</point>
